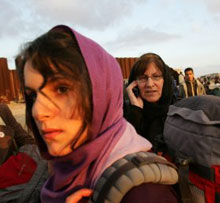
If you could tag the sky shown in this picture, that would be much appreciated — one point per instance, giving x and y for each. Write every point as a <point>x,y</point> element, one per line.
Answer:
<point>185,33</point>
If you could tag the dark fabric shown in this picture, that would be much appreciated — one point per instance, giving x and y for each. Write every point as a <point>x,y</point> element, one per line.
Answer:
<point>175,75</point>
<point>32,190</point>
<point>7,145</point>
<point>20,135</point>
<point>186,194</point>
<point>149,121</point>
<point>148,126</point>
<point>208,104</point>
<point>192,131</point>
<point>191,85</point>
<point>151,193</point>
<point>217,197</point>
<point>23,176</point>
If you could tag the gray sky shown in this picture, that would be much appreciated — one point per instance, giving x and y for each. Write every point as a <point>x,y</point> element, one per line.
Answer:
<point>183,32</point>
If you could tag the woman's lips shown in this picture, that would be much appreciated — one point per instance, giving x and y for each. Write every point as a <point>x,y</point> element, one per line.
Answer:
<point>150,91</point>
<point>51,133</point>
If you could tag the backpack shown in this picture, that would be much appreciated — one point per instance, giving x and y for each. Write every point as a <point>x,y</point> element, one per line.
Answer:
<point>131,171</point>
<point>22,176</point>
<point>192,134</point>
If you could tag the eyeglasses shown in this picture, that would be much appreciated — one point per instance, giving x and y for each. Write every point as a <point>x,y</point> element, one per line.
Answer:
<point>144,78</point>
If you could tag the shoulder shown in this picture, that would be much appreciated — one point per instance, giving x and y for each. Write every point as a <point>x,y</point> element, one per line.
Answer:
<point>5,111</point>
<point>198,82</point>
<point>149,192</point>
<point>182,84</point>
<point>182,88</point>
<point>3,107</point>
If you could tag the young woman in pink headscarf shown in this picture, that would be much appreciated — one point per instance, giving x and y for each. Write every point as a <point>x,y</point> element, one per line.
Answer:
<point>74,98</point>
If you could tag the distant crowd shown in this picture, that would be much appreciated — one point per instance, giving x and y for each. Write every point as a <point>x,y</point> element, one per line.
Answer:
<point>211,84</point>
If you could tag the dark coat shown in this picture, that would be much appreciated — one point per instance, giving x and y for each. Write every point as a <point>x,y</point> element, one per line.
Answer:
<point>149,125</point>
<point>21,137</point>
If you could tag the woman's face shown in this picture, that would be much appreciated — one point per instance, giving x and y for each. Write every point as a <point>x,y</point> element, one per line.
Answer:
<point>150,84</point>
<point>54,111</point>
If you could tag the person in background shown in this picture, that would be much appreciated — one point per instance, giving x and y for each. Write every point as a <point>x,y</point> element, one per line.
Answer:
<point>213,89</point>
<point>22,170</point>
<point>191,86</point>
<point>19,136</point>
<point>150,92</point>
<point>181,78</point>
<point>74,98</point>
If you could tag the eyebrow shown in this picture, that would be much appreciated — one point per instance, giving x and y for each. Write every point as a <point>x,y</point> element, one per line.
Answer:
<point>157,73</point>
<point>60,78</point>
<point>56,76</point>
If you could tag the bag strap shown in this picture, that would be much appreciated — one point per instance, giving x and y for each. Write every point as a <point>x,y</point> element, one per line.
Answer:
<point>183,171</point>
<point>137,161</point>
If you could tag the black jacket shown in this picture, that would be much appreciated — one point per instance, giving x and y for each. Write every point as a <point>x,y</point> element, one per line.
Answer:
<point>21,137</point>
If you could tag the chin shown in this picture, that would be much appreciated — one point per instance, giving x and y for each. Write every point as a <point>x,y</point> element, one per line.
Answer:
<point>56,152</point>
<point>152,100</point>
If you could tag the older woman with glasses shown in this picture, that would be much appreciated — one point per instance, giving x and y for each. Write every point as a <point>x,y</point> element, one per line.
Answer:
<point>150,93</point>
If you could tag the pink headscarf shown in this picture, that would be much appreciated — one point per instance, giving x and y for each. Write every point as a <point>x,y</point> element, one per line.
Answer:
<point>76,169</point>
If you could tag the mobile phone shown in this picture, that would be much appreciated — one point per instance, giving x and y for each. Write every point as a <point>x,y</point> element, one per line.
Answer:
<point>136,91</point>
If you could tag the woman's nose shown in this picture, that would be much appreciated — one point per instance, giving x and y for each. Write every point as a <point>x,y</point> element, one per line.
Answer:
<point>149,82</point>
<point>43,108</point>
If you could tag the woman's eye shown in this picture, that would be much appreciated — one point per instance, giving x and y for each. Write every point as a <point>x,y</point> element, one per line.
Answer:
<point>157,77</point>
<point>62,89</point>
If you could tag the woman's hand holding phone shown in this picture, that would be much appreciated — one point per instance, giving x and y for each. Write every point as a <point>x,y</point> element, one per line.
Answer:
<point>134,99</point>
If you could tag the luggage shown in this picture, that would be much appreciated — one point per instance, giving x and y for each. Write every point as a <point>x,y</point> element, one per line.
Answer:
<point>192,134</point>
<point>22,176</point>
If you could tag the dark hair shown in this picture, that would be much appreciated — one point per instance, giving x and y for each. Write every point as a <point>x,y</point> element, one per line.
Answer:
<point>140,67</point>
<point>57,51</point>
<point>142,63</point>
<point>188,69</point>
